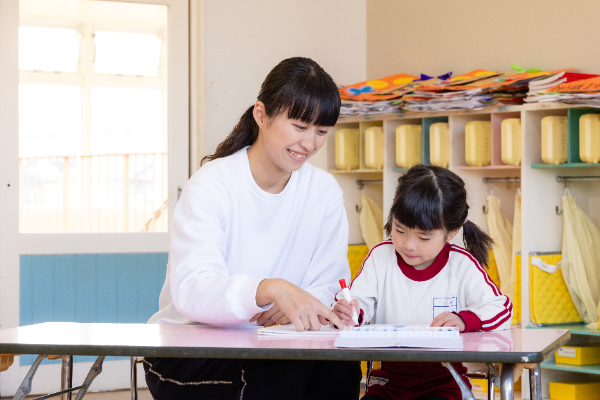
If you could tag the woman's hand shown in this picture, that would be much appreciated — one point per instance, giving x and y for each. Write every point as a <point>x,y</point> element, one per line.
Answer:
<point>449,319</point>
<point>273,316</point>
<point>344,310</point>
<point>303,309</point>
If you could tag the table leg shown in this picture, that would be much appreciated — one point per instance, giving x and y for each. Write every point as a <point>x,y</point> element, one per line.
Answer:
<point>507,388</point>
<point>464,389</point>
<point>25,387</point>
<point>66,376</point>
<point>134,394</point>
<point>94,372</point>
<point>535,382</point>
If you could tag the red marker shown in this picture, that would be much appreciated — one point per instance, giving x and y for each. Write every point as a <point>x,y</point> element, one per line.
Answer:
<point>348,298</point>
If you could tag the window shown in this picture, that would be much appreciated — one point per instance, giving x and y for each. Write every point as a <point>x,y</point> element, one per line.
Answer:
<point>93,122</point>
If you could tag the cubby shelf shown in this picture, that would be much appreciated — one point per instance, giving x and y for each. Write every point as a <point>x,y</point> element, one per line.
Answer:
<point>490,167</point>
<point>357,171</point>
<point>576,329</point>
<point>587,369</point>
<point>565,165</point>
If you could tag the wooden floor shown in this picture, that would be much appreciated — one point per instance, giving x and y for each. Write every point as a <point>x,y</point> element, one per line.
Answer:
<point>143,394</point>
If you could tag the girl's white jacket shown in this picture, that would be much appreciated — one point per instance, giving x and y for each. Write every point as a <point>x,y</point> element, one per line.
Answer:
<point>228,235</point>
<point>390,291</point>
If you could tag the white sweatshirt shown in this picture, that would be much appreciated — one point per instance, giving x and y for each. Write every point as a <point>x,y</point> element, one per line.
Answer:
<point>390,291</point>
<point>228,235</point>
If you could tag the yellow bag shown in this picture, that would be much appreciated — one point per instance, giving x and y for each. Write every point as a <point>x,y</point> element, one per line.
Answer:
<point>516,318</point>
<point>516,249</point>
<point>581,259</point>
<point>501,232</point>
<point>492,269</point>
<point>371,221</point>
<point>356,255</point>
<point>549,301</point>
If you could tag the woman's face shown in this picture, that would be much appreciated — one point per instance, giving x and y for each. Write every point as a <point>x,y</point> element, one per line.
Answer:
<point>289,142</point>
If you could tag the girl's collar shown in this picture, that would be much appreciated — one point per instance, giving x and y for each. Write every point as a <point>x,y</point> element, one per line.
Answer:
<point>428,273</point>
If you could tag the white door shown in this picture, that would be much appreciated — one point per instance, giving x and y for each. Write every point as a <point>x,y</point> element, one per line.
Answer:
<point>94,145</point>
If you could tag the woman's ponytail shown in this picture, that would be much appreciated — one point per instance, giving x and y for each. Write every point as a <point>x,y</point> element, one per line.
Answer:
<point>244,134</point>
<point>477,242</point>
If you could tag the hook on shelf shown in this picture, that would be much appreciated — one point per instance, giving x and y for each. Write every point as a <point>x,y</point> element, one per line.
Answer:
<point>558,211</point>
<point>361,185</point>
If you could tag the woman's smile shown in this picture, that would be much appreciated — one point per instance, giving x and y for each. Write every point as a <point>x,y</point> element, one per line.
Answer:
<point>297,156</point>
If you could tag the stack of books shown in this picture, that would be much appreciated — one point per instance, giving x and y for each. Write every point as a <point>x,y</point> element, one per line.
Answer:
<point>555,87</point>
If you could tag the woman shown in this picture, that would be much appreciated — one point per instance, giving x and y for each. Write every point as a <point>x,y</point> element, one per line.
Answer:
<point>260,235</point>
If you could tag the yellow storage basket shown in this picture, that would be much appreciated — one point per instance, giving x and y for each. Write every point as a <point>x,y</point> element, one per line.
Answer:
<point>550,301</point>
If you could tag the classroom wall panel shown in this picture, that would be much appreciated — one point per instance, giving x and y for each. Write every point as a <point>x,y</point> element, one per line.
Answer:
<point>117,288</point>
<point>435,37</point>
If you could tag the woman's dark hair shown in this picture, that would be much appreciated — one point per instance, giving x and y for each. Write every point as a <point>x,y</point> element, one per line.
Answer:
<point>297,85</point>
<point>430,198</point>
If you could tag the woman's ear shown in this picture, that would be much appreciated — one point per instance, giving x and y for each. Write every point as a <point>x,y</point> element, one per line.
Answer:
<point>451,235</point>
<point>260,114</point>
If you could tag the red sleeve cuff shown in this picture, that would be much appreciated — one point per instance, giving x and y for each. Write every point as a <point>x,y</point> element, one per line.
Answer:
<point>361,317</point>
<point>471,320</point>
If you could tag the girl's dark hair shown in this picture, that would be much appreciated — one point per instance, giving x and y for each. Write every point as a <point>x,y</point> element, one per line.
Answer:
<point>297,85</point>
<point>430,198</point>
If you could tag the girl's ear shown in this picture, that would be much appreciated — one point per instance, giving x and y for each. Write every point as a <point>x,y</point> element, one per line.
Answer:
<point>451,235</point>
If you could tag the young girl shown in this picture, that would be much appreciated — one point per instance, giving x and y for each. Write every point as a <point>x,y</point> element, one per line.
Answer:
<point>418,278</point>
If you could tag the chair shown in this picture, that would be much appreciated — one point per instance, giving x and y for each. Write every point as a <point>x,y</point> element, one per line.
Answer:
<point>493,378</point>
<point>66,375</point>
<point>134,362</point>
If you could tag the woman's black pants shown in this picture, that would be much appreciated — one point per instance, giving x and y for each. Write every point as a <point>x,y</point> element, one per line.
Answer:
<point>233,379</point>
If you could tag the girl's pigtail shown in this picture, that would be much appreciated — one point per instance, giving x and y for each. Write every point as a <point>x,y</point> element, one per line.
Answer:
<point>477,242</point>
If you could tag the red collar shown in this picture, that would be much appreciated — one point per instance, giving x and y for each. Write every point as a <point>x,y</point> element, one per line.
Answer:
<point>428,273</point>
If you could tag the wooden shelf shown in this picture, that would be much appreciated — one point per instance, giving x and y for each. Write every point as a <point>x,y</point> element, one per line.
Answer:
<point>357,171</point>
<point>588,369</point>
<point>576,329</point>
<point>488,110</point>
<point>490,168</point>
<point>565,165</point>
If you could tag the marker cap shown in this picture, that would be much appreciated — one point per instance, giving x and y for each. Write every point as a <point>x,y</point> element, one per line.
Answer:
<point>343,283</point>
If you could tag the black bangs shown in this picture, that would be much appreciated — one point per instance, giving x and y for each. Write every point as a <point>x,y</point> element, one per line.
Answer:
<point>300,86</point>
<point>314,101</point>
<point>417,205</point>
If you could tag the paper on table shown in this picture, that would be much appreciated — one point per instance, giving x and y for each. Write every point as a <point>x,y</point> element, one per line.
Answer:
<point>290,330</point>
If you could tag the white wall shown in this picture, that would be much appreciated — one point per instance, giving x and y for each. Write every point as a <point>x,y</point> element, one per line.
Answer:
<point>246,39</point>
<point>437,36</point>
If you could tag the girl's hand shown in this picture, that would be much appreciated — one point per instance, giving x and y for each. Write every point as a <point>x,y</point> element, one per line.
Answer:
<point>303,309</point>
<point>449,319</point>
<point>344,310</point>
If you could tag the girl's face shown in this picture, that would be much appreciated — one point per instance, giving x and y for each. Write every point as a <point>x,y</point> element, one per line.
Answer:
<point>288,142</point>
<point>419,248</point>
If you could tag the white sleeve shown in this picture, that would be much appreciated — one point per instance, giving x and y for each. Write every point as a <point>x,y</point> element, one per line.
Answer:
<point>201,287</point>
<point>364,289</point>
<point>485,301</point>
<point>329,262</point>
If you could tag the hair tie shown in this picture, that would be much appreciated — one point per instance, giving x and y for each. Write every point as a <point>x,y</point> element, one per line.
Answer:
<point>465,221</point>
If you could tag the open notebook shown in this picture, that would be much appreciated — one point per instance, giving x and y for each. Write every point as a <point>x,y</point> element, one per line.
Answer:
<point>290,330</point>
<point>376,336</point>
